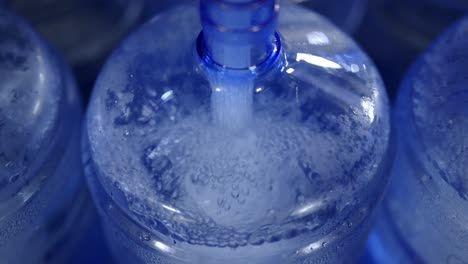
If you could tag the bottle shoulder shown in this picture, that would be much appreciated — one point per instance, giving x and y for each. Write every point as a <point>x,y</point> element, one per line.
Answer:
<point>32,96</point>
<point>431,111</point>
<point>316,57</point>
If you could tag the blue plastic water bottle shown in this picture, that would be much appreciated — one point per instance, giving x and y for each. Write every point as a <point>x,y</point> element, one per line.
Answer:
<point>262,139</point>
<point>424,217</point>
<point>395,32</point>
<point>84,31</point>
<point>43,202</point>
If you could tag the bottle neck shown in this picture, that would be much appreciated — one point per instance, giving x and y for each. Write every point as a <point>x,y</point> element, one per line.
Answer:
<point>238,34</point>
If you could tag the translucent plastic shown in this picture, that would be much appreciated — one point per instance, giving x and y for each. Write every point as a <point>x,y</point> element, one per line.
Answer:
<point>425,215</point>
<point>43,202</point>
<point>346,14</point>
<point>84,31</point>
<point>154,7</point>
<point>395,32</point>
<point>192,161</point>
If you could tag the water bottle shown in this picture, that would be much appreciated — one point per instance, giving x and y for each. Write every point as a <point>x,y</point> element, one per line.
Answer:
<point>84,31</point>
<point>44,204</point>
<point>395,32</point>
<point>347,15</point>
<point>425,214</point>
<point>240,137</point>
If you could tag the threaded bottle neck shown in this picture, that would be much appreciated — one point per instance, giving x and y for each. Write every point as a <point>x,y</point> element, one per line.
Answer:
<point>238,34</point>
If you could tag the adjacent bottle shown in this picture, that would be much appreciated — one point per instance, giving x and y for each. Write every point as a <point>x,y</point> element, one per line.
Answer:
<point>243,138</point>
<point>395,32</point>
<point>44,204</point>
<point>84,31</point>
<point>425,214</point>
<point>347,15</point>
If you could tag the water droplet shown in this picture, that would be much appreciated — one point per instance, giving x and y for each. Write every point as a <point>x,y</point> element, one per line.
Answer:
<point>348,224</point>
<point>270,187</point>
<point>195,178</point>
<point>300,199</point>
<point>145,237</point>
<point>221,202</point>
<point>13,178</point>
<point>241,201</point>
<point>354,109</point>
<point>450,124</point>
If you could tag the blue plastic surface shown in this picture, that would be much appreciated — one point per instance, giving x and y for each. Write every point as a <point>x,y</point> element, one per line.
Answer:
<point>43,203</point>
<point>235,147</point>
<point>347,15</point>
<point>425,214</point>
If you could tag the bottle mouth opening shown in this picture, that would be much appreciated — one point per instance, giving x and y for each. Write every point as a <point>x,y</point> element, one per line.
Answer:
<point>207,58</point>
